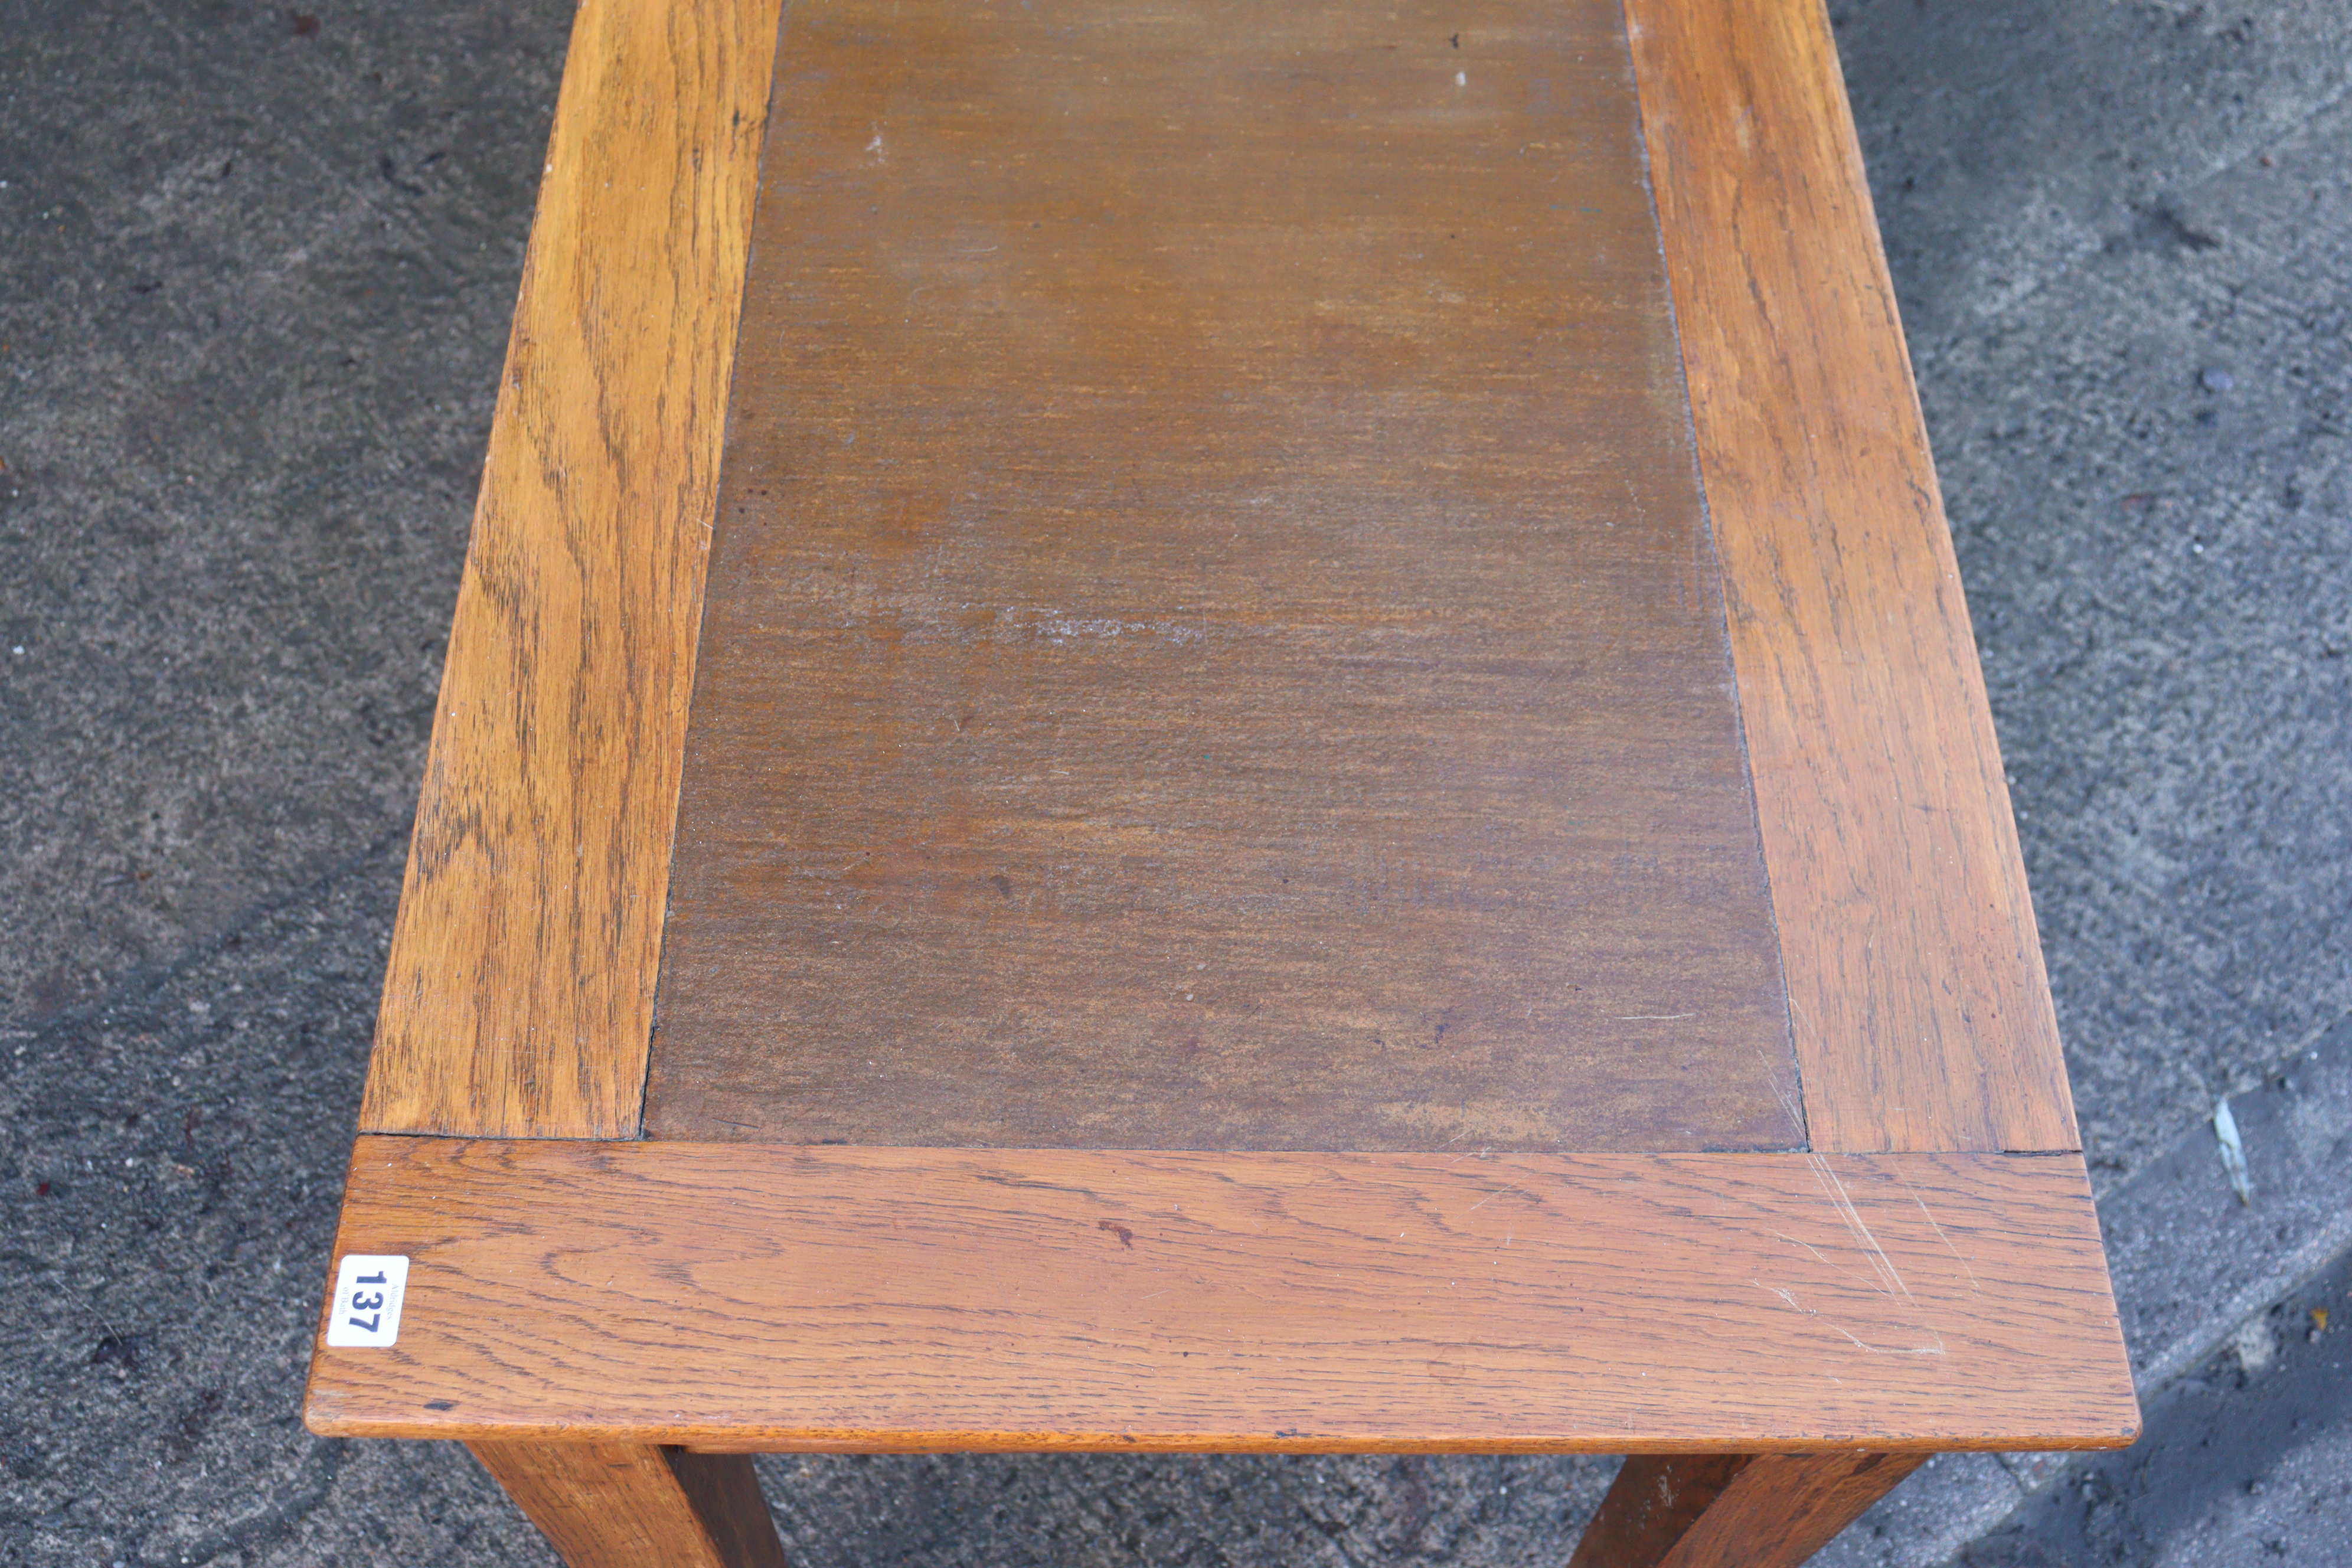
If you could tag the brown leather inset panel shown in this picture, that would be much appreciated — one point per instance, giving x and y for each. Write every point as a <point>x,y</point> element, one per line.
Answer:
<point>1212,639</point>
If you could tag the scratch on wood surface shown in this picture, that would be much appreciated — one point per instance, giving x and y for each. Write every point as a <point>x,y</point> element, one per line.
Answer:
<point>1890,1279</point>
<point>1785,1093</point>
<point>1818,1253</point>
<point>1490,1197</point>
<point>1958,1256</point>
<point>1862,1345</point>
<point>1859,1343</point>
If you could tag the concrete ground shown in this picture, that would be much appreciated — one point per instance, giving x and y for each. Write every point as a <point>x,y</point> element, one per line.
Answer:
<point>256,265</point>
<point>2247,1462</point>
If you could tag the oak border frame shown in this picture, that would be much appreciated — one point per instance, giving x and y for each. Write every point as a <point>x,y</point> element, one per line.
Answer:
<point>944,1299</point>
<point>1917,999</point>
<point>518,993</point>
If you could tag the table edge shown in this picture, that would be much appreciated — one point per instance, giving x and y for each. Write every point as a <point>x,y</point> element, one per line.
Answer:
<point>519,990</point>
<point>1918,1001</point>
<point>773,1297</point>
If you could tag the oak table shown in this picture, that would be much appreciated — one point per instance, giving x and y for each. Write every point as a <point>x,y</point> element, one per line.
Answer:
<point>1182,725</point>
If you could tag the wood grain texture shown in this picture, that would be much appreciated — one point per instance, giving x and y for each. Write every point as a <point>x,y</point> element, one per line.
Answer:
<point>614,1505</point>
<point>1652,1505</point>
<point>1212,640</point>
<point>1781,1509</point>
<point>1733,1510</point>
<point>1921,1012</point>
<point>752,1296</point>
<point>520,994</point>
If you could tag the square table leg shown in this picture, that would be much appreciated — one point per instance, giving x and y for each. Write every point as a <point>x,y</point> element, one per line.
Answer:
<point>1733,1510</point>
<point>625,1505</point>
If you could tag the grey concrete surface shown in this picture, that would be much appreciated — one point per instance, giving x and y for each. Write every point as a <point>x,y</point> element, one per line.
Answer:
<point>2190,1261</point>
<point>253,288</point>
<point>256,264</point>
<point>2247,1464</point>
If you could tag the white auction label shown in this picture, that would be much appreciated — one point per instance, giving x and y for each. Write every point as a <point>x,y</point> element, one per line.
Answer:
<point>366,1307</point>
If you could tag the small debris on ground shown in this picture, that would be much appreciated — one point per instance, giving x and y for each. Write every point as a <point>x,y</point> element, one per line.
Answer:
<point>2233,1152</point>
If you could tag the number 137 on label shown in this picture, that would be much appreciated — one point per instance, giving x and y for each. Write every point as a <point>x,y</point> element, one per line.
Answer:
<point>367,1305</point>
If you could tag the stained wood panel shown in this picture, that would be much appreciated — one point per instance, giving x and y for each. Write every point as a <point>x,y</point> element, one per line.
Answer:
<point>518,998</point>
<point>751,1296</point>
<point>1212,639</point>
<point>1920,1008</point>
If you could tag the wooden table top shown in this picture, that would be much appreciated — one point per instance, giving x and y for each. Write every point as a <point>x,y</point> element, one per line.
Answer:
<point>1302,665</point>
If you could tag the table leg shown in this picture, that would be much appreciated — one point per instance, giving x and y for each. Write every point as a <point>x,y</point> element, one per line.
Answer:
<point>622,1505</point>
<point>1733,1510</point>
